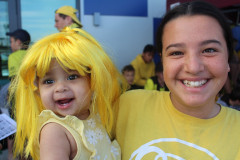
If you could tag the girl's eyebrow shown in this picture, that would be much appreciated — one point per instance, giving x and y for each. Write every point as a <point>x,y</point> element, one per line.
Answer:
<point>71,70</point>
<point>211,41</point>
<point>49,73</point>
<point>202,43</point>
<point>175,45</point>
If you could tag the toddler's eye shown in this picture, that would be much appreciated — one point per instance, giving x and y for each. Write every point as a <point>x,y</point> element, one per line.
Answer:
<point>72,77</point>
<point>48,81</point>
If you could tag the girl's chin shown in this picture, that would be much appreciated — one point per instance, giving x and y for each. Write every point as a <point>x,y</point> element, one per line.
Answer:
<point>191,100</point>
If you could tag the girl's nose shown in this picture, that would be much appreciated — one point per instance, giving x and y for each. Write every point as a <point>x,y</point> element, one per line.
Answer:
<point>193,63</point>
<point>61,87</point>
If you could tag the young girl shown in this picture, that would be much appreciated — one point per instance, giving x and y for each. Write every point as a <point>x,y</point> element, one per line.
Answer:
<point>195,43</point>
<point>64,97</point>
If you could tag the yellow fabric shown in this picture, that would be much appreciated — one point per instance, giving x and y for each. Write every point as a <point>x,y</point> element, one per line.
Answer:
<point>143,70</point>
<point>150,85</point>
<point>91,137</point>
<point>14,61</point>
<point>148,126</point>
<point>72,26</point>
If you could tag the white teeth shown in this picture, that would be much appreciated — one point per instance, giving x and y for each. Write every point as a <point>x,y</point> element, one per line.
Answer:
<point>194,83</point>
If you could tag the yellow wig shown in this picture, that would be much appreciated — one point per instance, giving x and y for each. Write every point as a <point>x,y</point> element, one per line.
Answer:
<point>74,49</point>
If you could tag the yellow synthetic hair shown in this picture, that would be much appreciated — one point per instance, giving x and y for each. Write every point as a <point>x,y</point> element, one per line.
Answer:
<point>74,49</point>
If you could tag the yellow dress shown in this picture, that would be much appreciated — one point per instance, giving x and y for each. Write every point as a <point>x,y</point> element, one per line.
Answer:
<point>92,140</point>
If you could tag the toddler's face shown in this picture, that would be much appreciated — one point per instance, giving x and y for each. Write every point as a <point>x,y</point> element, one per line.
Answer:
<point>129,76</point>
<point>65,93</point>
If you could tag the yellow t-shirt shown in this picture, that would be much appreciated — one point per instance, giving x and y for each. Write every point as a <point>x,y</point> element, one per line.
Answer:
<point>149,127</point>
<point>14,61</point>
<point>143,70</point>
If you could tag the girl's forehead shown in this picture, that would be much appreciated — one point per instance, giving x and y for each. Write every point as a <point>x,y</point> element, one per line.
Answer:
<point>192,28</point>
<point>55,65</point>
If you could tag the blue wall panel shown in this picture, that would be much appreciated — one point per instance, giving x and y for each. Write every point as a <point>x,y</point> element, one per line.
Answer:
<point>156,23</point>
<point>236,35</point>
<point>116,7</point>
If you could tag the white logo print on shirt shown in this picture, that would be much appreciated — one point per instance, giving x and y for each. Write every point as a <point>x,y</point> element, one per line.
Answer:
<point>150,148</point>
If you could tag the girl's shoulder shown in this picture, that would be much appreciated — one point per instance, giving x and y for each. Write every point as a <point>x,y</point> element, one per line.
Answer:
<point>52,135</point>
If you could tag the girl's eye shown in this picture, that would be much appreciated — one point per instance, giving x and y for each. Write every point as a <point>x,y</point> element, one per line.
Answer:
<point>209,50</point>
<point>177,53</point>
<point>48,81</point>
<point>72,77</point>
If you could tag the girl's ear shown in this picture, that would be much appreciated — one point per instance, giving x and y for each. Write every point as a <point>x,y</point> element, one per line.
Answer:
<point>69,20</point>
<point>19,43</point>
<point>36,89</point>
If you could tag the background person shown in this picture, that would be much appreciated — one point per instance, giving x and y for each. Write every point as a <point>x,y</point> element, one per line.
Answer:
<point>66,16</point>
<point>20,40</point>
<point>144,65</point>
<point>186,123</point>
<point>128,73</point>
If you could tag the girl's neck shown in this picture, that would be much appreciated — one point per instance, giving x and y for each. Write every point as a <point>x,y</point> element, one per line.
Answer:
<point>84,114</point>
<point>206,111</point>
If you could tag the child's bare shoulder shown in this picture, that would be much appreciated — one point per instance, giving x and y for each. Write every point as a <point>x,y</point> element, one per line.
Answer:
<point>55,138</point>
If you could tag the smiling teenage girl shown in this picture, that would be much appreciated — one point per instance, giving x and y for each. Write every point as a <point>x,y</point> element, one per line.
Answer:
<point>65,92</point>
<point>186,123</point>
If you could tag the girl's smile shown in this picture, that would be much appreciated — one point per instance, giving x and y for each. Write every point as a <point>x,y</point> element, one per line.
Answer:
<point>194,84</point>
<point>64,103</point>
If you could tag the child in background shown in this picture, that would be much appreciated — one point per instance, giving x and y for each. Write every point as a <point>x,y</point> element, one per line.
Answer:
<point>128,73</point>
<point>65,93</point>
<point>156,82</point>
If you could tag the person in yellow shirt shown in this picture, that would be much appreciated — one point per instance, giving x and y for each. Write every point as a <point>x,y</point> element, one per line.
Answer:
<point>144,65</point>
<point>195,42</point>
<point>66,16</point>
<point>20,40</point>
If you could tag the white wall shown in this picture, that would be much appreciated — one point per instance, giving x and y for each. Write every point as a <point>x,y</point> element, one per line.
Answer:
<point>123,37</point>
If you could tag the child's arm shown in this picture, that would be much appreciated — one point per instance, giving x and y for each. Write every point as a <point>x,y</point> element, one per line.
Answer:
<point>55,143</point>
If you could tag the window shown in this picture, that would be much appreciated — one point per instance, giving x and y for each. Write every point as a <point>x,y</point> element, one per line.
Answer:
<point>4,40</point>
